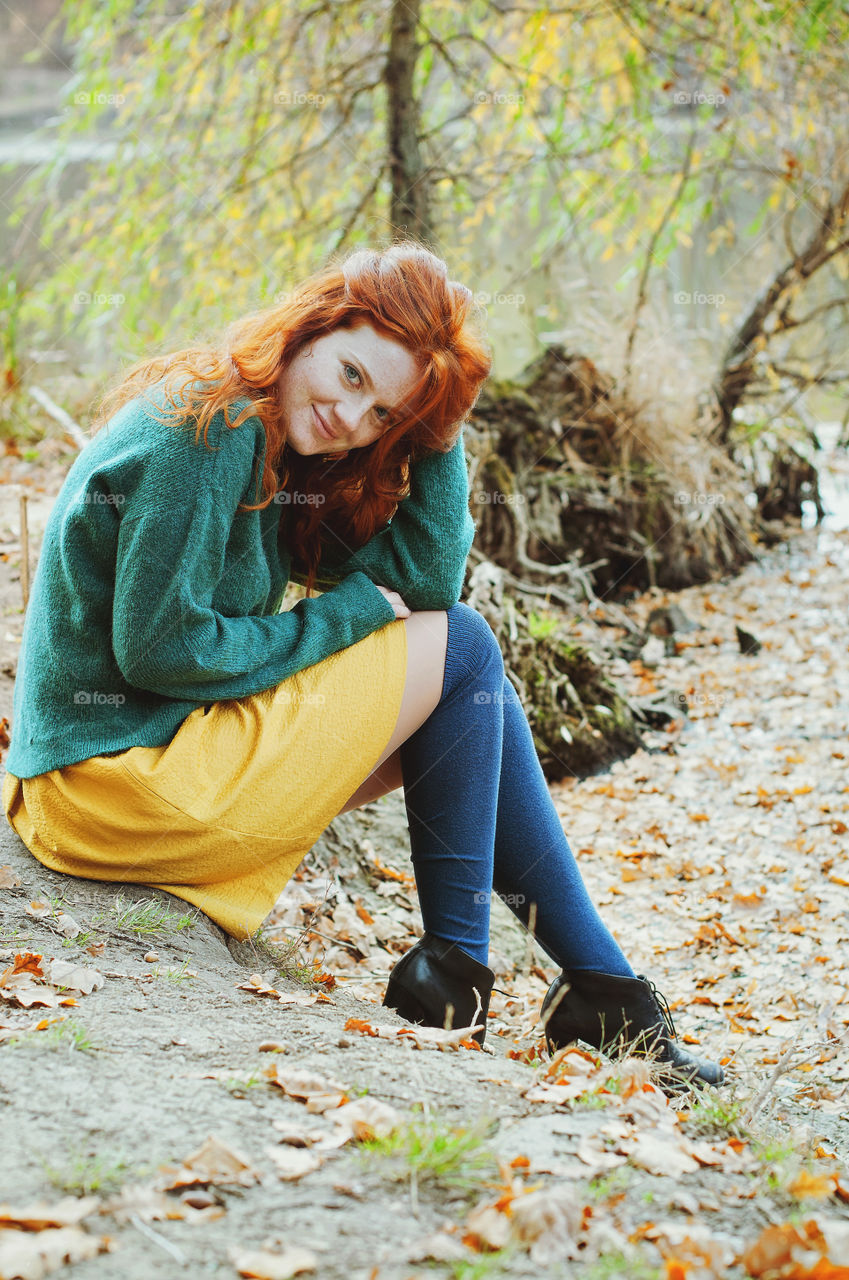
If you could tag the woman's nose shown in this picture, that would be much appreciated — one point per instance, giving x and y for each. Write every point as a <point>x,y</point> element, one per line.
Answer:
<point>351,414</point>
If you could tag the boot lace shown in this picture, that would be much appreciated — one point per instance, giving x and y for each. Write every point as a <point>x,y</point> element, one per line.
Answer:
<point>663,1006</point>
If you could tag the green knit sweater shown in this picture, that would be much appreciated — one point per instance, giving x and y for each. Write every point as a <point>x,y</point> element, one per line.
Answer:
<point>153,595</point>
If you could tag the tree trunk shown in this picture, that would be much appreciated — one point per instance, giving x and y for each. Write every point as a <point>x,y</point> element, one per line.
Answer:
<point>410,212</point>
<point>738,370</point>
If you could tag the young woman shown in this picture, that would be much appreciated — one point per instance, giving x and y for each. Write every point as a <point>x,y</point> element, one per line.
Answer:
<point>173,727</point>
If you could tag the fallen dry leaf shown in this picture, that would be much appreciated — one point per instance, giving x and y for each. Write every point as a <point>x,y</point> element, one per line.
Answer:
<point>67,925</point>
<point>25,1256</point>
<point>144,1201</point>
<point>661,1155</point>
<point>487,1228</point>
<point>314,1091</point>
<point>263,1264</point>
<point>438,1247</point>
<point>23,989</point>
<point>360,1024</point>
<point>75,977</point>
<point>292,1163</point>
<point>693,1247</point>
<point>550,1221</point>
<point>40,1215</point>
<point>318,1139</point>
<point>258,987</point>
<point>808,1186</point>
<point>598,1160</point>
<point>213,1162</point>
<point>25,962</point>
<point>809,1252</point>
<point>368,1118</point>
<point>9,879</point>
<point>27,981</point>
<point>422,1037</point>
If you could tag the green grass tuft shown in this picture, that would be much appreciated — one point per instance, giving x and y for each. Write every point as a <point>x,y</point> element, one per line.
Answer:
<point>432,1154</point>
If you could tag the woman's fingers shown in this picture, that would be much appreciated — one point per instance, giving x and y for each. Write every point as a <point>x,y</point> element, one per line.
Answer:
<point>401,610</point>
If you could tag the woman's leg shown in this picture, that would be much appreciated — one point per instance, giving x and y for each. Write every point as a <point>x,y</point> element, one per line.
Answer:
<point>450,768</point>
<point>480,815</point>
<point>455,829</point>
<point>534,868</point>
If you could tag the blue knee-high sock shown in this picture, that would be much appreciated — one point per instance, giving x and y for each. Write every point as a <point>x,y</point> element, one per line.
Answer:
<point>481,816</point>
<point>534,867</point>
<point>450,767</point>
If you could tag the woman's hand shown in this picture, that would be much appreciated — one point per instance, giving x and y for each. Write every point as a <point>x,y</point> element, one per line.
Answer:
<point>401,610</point>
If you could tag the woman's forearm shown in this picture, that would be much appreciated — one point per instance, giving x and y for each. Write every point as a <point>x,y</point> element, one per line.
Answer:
<point>422,552</point>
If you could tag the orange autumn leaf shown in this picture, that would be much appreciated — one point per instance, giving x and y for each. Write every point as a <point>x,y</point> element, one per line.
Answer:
<point>360,1024</point>
<point>747,900</point>
<point>28,962</point>
<point>324,979</point>
<point>389,873</point>
<point>811,1186</point>
<point>524,1055</point>
<point>786,1252</point>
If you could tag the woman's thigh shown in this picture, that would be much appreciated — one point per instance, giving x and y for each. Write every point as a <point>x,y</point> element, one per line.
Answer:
<point>427,640</point>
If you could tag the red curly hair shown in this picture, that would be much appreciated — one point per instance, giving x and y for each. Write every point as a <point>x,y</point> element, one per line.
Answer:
<point>404,292</point>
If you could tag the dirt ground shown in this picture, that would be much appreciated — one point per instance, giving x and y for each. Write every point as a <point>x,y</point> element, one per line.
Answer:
<point>719,856</point>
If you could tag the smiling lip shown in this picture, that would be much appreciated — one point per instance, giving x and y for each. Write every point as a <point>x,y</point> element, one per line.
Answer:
<point>322,426</point>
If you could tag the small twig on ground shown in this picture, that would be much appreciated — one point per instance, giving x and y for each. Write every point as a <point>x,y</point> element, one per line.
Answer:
<point>64,419</point>
<point>302,931</point>
<point>175,1252</point>
<point>782,1067</point>
<point>529,938</point>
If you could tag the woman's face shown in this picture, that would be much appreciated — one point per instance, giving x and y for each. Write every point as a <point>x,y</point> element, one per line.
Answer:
<point>342,390</point>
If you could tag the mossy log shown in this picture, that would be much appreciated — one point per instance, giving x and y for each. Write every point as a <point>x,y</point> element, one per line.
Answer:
<point>580,719</point>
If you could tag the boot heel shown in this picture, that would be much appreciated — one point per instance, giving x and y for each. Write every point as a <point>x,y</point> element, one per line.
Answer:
<point>404,1003</point>
<point>434,975</point>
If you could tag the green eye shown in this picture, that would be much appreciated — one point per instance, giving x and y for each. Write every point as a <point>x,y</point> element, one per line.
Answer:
<point>353,370</point>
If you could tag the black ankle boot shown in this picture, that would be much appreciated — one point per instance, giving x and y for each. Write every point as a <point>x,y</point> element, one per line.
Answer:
<point>435,974</point>
<point>618,1014</point>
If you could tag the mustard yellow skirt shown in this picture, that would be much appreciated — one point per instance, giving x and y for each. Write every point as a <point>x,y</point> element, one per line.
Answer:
<point>223,814</point>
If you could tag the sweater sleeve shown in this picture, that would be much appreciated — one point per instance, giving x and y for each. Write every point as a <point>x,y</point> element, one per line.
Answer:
<point>422,552</point>
<point>167,638</point>
<point>171,554</point>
